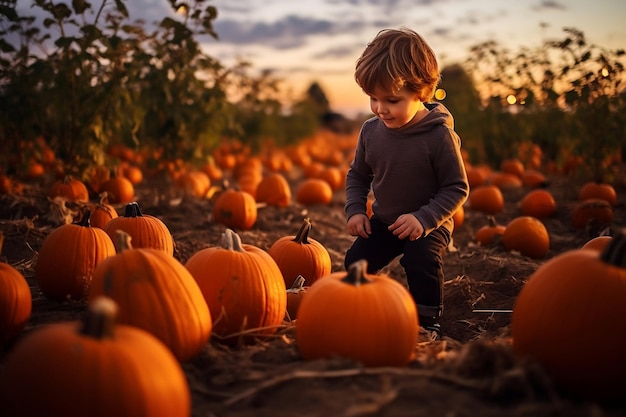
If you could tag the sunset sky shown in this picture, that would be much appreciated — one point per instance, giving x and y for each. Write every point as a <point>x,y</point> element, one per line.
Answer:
<point>320,40</point>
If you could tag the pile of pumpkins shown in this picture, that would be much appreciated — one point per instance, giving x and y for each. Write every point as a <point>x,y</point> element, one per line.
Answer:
<point>141,299</point>
<point>568,315</point>
<point>526,233</point>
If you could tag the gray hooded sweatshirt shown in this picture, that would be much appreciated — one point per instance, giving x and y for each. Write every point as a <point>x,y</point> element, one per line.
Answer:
<point>416,169</point>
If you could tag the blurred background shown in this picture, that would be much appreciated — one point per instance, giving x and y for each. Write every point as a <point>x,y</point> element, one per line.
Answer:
<point>180,77</point>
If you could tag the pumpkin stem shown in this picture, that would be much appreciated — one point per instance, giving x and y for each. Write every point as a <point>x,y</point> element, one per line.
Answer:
<point>100,318</point>
<point>615,252</point>
<point>303,233</point>
<point>356,273</point>
<point>85,219</point>
<point>104,198</point>
<point>232,241</point>
<point>122,241</point>
<point>298,284</point>
<point>132,210</point>
<point>491,221</point>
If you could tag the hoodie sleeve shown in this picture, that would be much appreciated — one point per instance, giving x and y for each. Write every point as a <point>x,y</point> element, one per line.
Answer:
<point>358,181</point>
<point>453,188</point>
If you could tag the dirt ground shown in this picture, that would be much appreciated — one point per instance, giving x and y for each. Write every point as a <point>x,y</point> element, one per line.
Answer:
<point>470,372</point>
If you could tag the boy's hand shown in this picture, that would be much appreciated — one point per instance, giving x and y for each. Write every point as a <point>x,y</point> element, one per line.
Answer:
<point>407,225</point>
<point>359,225</point>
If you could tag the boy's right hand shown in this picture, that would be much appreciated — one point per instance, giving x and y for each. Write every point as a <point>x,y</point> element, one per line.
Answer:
<point>359,225</point>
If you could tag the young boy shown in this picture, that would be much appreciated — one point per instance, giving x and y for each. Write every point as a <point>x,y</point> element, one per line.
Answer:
<point>410,157</point>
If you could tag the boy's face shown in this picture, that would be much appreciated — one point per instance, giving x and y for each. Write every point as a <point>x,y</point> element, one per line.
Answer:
<point>395,109</point>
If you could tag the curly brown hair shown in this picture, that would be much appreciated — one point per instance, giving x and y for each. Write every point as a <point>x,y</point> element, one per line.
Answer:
<point>398,58</point>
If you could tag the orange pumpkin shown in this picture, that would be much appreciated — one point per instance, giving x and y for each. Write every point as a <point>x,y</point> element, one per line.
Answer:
<point>301,255</point>
<point>119,189</point>
<point>155,292</point>
<point>312,191</point>
<point>569,318</point>
<point>333,176</point>
<point>242,286</point>
<point>15,301</point>
<point>505,180</point>
<point>459,217</point>
<point>512,166</point>
<point>236,209</point>
<point>538,203</point>
<point>527,235</point>
<point>294,297</point>
<point>476,176</point>
<point>101,212</point>
<point>274,190</point>
<point>369,318</point>
<point>195,183</point>
<point>532,178</point>
<point>133,173</point>
<point>68,257</point>
<point>111,370</point>
<point>594,211</point>
<point>488,233</point>
<point>598,190</point>
<point>71,189</point>
<point>145,230</point>
<point>598,243</point>
<point>486,198</point>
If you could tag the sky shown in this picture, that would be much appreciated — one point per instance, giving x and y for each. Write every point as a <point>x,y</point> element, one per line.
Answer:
<point>305,41</point>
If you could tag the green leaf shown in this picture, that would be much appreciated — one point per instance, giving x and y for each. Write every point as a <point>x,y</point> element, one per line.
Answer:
<point>121,7</point>
<point>9,12</point>
<point>65,41</point>
<point>80,6</point>
<point>6,47</point>
<point>60,11</point>
<point>47,22</point>
<point>91,32</point>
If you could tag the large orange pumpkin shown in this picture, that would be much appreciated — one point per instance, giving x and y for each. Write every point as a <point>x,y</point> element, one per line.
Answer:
<point>68,257</point>
<point>15,301</point>
<point>110,370</point>
<point>242,286</point>
<point>301,255</point>
<point>569,317</point>
<point>236,209</point>
<point>155,292</point>
<point>146,231</point>
<point>527,235</point>
<point>368,318</point>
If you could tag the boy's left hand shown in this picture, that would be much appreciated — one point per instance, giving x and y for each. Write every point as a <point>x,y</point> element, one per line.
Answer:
<point>407,225</point>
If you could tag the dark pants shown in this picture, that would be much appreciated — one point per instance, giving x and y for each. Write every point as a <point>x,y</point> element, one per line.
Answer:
<point>422,262</point>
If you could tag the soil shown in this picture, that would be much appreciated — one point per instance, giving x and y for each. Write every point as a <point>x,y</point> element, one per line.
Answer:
<point>471,371</point>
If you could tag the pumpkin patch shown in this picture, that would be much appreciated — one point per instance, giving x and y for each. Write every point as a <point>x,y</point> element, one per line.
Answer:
<point>253,341</point>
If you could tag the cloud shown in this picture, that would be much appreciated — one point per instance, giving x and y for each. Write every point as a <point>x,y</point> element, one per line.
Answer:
<point>286,33</point>
<point>550,4</point>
